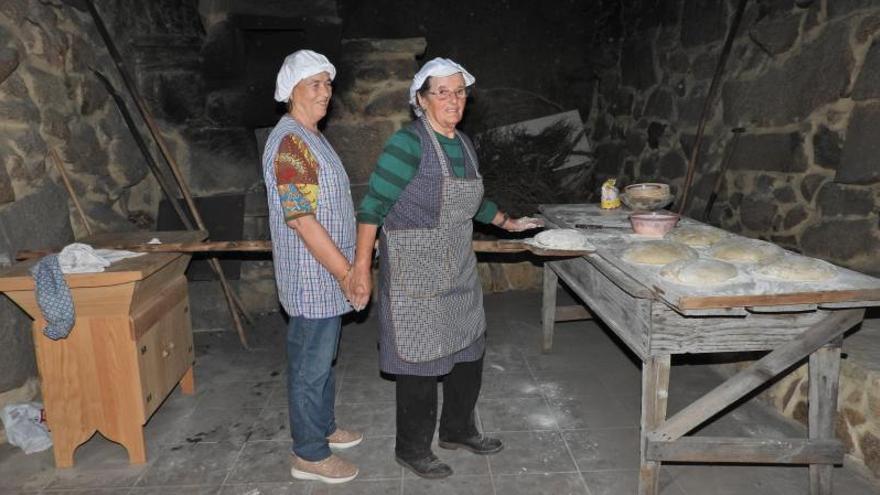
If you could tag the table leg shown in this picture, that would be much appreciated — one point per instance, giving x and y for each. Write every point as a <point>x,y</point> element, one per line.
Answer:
<point>188,382</point>
<point>655,392</point>
<point>824,374</point>
<point>548,306</point>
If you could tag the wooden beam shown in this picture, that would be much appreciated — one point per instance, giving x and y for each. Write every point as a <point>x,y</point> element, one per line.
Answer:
<point>655,394</point>
<point>548,307</point>
<point>745,450</point>
<point>757,374</point>
<point>574,312</point>
<point>824,370</point>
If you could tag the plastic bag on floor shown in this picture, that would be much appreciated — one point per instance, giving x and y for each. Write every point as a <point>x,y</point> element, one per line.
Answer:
<point>24,427</point>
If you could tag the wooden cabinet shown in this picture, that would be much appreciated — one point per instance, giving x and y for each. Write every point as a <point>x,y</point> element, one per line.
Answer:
<point>130,346</point>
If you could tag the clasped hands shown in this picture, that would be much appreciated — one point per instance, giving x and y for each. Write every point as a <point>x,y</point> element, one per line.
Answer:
<point>357,284</point>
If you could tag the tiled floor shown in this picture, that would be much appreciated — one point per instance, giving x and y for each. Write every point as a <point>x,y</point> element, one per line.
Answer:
<point>569,421</point>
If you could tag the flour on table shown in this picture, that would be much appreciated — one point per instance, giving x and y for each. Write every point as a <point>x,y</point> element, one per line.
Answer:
<point>658,252</point>
<point>696,236</point>
<point>796,269</point>
<point>744,251</point>
<point>699,272</point>
<point>563,239</point>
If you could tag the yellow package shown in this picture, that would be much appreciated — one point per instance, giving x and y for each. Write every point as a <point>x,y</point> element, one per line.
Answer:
<point>610,195</point>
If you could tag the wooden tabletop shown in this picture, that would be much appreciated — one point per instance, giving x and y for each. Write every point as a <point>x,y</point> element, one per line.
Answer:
<point>18,276</point>
<point>610,232</point>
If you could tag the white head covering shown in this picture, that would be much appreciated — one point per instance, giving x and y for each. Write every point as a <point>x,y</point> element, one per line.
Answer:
<point>438,67</point>
<point>298,66</point>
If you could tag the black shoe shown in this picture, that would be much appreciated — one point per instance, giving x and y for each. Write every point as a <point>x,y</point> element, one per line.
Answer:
<point>477,444</point>
<point>429,467</point>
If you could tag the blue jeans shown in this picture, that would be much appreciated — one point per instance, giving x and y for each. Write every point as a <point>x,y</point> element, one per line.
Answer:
<point>311,384</point>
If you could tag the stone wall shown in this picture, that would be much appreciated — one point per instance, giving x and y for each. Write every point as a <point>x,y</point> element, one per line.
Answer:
<point>802,80</point>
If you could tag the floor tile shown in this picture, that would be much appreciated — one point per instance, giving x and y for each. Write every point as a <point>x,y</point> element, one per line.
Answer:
<point>541,484</point>
<point>531,452</point>
<point>454,485</point>
<point>598,450</point>
<point>191,464</point>
<point>262,462</point>
<point>627,482</point>
<point>516,414</point>
<point>361,487</point>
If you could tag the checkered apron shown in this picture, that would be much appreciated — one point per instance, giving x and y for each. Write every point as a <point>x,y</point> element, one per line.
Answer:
<point>432,298</point>
<point>305,287</point>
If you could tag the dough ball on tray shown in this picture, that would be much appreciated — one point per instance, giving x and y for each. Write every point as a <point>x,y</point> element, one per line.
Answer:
<point>658,252</point>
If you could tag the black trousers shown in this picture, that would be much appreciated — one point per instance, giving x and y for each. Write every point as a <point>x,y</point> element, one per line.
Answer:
<point>417,408</point>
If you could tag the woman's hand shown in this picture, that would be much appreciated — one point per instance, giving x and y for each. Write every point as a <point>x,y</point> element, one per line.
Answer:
<point>522,223</point>
<point>360,284</point>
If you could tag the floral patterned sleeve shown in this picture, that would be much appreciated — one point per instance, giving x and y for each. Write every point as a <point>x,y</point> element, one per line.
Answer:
<point>296,174</point>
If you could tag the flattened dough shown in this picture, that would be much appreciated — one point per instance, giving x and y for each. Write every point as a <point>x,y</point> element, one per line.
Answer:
<point>699,272</point>
<point>566,239</point>
<point>696,236</point>
<point>744,251</point>
<point>658,252</point>
<point>797,269</point>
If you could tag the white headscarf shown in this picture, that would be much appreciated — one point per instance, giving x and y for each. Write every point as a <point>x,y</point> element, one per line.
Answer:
<point>438,67</point>
<point>298,66</point>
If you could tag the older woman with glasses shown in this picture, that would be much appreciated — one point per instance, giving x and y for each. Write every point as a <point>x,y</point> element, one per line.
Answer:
<point>424,193</point>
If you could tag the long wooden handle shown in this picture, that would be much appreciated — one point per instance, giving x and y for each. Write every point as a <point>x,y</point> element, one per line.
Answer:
<point>266,246</point>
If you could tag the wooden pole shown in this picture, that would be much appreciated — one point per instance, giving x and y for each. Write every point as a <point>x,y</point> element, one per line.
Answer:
<point>60,166</point>
<point>231,300</point>
<point>710,100</point>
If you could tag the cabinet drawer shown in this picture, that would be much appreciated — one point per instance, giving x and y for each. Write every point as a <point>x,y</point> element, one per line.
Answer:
<point>165,352</point>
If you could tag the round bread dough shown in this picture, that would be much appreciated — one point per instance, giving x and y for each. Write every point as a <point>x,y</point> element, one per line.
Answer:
<point>696,236</point>
<point>698,272</point>
<point>797,269</point>
<point>744,251</point>
<point>658,252</point>
<point>565,239</point>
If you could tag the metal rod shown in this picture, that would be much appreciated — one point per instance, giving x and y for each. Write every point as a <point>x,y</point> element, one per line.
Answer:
<point>731,147</point>
<point>710,99</point>
<point>60,166</point>
<point>231,300</point>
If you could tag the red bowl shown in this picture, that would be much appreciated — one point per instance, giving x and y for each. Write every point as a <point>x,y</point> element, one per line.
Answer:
<point>653,223</point>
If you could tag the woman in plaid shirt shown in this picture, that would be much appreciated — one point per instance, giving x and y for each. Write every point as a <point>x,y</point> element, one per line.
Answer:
<point>311,218</point>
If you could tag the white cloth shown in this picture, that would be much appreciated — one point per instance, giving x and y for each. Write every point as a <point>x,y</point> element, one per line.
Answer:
<point>298,66</point>
<point>438,67</point>
<point>82,258</point>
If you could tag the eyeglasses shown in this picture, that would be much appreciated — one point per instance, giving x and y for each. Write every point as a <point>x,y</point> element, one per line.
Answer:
<point>445,94</point>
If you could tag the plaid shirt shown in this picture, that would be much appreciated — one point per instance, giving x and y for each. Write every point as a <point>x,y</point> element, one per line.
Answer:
<point>304,286</point>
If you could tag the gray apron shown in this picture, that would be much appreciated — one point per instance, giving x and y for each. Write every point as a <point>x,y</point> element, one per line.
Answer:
<point>434,295</point>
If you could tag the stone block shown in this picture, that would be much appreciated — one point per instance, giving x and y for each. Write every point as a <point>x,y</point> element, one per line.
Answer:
<point>17,360</point>
<point>672,166</point>
<point>648,168</point>
<point>827,148</point>
<point>703,66</point>
<point>869,25</point>
<point>795,217</point>
<point>126,164</point>
<point>15,87</point>
<point>817,75</point>
<point>655,134</point>
<point>620,102</point>
<point>769,153</point>
<point>785,194</point>
<point>758,212</point>
<point>394,102</point>
<point>84,150</point>
<point>222,160</point>
<point>54,124</point>
<point>93,96</point>
<point>776,35</point>
<point>659,104</point>
<point>840,240</point>
<point>810,184</point>
<point>866,86</point>
<point>635,142</point>
<point>18,112</point>
<point>702,21</point>
<point>609,158</point>
<point>858,164</point>
<point>638,71</point>
<point>838,8</point>
<point>14,10</point>
<point>36,221</point>
<point>8,62</point>
<point>838,200</point>
<point>359,145</point>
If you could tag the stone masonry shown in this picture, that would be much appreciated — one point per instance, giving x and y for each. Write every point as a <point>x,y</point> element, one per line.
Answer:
<point>802,80</point>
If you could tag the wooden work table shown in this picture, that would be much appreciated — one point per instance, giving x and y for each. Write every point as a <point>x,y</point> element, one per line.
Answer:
<point>657,319</point>
<point>130,346</point>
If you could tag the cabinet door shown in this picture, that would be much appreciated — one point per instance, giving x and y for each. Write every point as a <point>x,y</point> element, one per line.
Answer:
<point>152,368</point>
